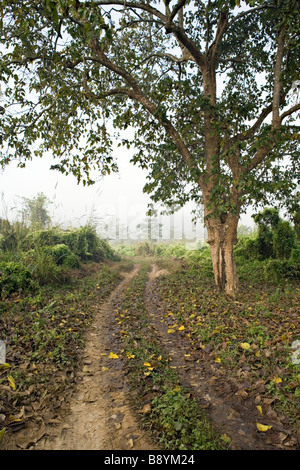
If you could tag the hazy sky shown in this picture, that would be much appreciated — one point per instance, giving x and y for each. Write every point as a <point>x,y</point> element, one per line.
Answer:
<point>116,195</point>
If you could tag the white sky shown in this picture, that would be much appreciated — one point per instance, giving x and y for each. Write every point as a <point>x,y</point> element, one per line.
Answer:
<point>116,195</point>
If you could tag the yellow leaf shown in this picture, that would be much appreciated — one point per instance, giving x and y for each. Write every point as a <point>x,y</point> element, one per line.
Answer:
<point>277,380</point>
<point>2,434</point>
<point>245,346</point>
<point>113,356</point>
<point>11,382</point>
<point>218,360</point>
<point>14,419</point>
<point>226,438</point>
<point>181,328</point>
<point>260,409</point>
<point>147,364</point>
<point>130,356</point>
<point>263,427</point>
<point>4,366</point>
<point>170,330</point>
<point>105,369</point>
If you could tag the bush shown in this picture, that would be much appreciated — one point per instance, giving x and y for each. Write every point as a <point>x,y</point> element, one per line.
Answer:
<point>14,277</point>
<point>283,240</point>
<point>247,248</point>
<point>63,256</point>
<point>277,269</point>
<point>295,255</point>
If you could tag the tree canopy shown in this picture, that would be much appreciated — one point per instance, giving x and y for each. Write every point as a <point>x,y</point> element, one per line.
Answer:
<point>202,90</point>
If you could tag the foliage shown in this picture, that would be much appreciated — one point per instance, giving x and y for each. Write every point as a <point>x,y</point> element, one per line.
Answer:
<point>14,277</point>
<point>63,255</point>
<point>49,254</point>
<point>284,240</point>
<point>249,340</point>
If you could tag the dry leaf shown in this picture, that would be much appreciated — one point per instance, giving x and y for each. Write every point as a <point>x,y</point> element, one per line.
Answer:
<point>146,409</point>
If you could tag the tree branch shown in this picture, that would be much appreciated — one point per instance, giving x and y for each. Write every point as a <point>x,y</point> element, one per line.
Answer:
<point>124,4</point>
<point>137,94</point>
<point>276,121</point>
<point>290,111</point>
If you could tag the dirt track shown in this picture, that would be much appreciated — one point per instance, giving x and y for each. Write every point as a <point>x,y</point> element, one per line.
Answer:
<point>100,416</point>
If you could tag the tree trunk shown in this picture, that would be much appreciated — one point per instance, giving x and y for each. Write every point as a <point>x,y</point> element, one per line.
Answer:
<point>222,236</point>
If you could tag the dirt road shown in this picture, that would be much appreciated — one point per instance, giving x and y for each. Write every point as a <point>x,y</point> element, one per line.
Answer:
<point>100,415</point>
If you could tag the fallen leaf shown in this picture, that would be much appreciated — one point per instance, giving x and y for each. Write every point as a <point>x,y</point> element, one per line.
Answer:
<point>113,356</point>
<point>263,427</point>
<point>130,356</point>
<point>245,346</point>
<point>260,409</point>
<point>4,366</point>
<point>11,382</point>
<point>277,380</point>
<point>130,443</point>
<point>2,432</point>
<point>181,328</point>
<point>147,364</point>
<point>146,409</point>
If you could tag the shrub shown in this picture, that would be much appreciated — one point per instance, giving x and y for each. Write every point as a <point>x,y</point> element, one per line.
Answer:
<point>247,248</point>
<point>295,255</point>
<point>14,277</point>
<point>283,240</point>
<point>277,269</point>
<point>63,256</point>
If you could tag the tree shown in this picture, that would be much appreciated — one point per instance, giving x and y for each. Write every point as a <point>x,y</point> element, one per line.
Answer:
<point>156,67</point>
<point>35,211</point>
